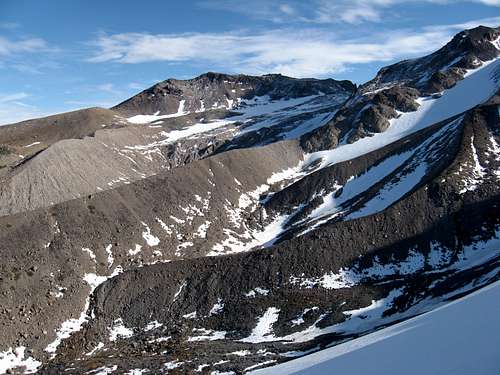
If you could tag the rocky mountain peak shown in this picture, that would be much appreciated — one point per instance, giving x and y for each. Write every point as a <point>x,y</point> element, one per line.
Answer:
<point>396,88</point>
<point>443,68</point>
<point>216,90</point>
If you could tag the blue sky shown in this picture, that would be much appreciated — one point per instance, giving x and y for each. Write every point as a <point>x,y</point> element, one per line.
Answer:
<point>57,56</point>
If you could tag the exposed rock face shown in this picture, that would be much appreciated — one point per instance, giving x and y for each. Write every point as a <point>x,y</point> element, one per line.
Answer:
<point>400,98</point>
<point>361,117</point>
<point>396,88</point>
<point>124,228</point>
<point>230,240</point>
<point>465,51</point>
<point>215,90</point>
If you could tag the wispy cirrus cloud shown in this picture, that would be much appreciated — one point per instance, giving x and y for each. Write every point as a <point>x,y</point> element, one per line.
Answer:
<point>10,46</point>
<point>108,88</point>
<point>310,52</point>
<point>9,25</point>
<point>14,109</point>
<point>5,98</point>
<point>136,86</point>
<point>490,2</point>
<point>322,11</point>
<point>260,9</point>
<point>27,54</point>
<point>358,11</point>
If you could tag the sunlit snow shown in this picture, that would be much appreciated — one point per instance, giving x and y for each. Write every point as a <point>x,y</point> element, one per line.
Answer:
<point>462,343</point>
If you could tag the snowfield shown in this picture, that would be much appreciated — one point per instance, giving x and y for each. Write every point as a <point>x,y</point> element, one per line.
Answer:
<point>460,338</point>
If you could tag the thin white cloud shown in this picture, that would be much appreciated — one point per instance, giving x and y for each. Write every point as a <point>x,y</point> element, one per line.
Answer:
<point>4,98</point>
<point>490,2</point>
<point>12,109</point>
<point>10,47</point>
<point>108,88</point>
<point>287,9</point>
<point>137,86</point>
<point>274,11</point>
<point>490,22</point>
<point>353,12</point>
<point>9,25</point>
<point>310,52</point>
<point>322,11</point>
<point>27,55</point>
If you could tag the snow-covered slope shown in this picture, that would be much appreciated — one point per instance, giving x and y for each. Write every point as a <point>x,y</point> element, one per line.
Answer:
<point>477,86</point>
<point>459,338</point>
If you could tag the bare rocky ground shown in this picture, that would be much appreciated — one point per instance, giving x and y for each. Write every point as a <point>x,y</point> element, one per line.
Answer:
<point>50,163</point>
<point>146,247</point>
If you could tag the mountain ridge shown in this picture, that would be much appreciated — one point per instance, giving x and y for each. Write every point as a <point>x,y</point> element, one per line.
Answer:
<point>215,90</point>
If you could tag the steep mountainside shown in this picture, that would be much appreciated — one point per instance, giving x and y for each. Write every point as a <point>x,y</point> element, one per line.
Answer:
<point>412,353</point>
<point>397,89</point>
<point>443,68</point>
<point>304,213</point>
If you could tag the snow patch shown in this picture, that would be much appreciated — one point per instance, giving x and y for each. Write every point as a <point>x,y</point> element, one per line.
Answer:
<point>217,307</point>
<point>111,259</point>
<point>90,252</point>
<point>145,119</point>
<point>450,351</point>
<point>96,349</point>
<point>264,328</point>
<point>32,144</point>
<point>153,325</point>
<point>136,250</point>
<point>207,335</point>
<point>148,237</point>
<point>14,358</point>
<point>477,86</point>
<point>477,174</point>
<point>255,291</point>
<point>118,330</point>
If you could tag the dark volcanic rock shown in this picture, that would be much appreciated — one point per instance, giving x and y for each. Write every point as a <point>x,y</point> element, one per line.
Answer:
<point>359,118</point>
<point>325,138</point>
<point>398,97</point>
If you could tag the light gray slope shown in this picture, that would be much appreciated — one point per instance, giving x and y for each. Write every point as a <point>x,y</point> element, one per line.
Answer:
<point>458,339</point>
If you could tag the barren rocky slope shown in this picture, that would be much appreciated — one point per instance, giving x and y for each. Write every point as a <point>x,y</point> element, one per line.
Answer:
<point>234,238</point>
<point>312,290</point>
<point>52,160</point>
